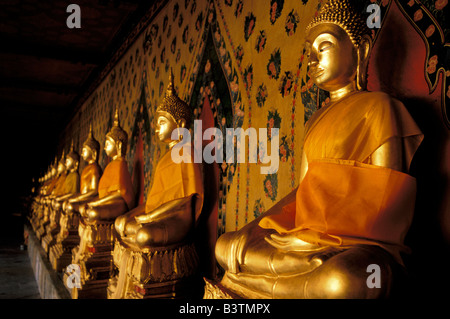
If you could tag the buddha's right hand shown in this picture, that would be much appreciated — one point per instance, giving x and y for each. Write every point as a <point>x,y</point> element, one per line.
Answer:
<point>119,225</point>
<point>290,242</point>
<point>83,211</point>
<point>126,222</point>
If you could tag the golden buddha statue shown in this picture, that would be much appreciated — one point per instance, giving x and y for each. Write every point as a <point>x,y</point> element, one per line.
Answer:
<point>67,188</point>
<point>54,189</point>
<point>155,253</point>
<point>68,238</point>
<point>96,230</point>
<point>355,201</point>
<point>90,176</point>
<point>37,201</point>
<point>47,186</point>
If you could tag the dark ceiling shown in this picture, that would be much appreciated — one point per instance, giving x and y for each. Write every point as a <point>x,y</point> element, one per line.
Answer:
<point>45,70</point>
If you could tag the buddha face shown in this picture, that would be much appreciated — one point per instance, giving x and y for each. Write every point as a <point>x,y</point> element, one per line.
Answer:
<point>86,153</point>
<point>332,57</point>
<point>164,127</point>
<point>110,147</point>
<point>69,163</point>
<point>61,167</point>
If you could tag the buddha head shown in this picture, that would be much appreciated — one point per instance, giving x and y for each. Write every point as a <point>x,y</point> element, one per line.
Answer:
<point>72,159</point>
<point>338,46</point>
<point>61,167</point>
<point>116,139</point>
<point>171,114</point>
<point>91,147</point>
<point>53,168</point>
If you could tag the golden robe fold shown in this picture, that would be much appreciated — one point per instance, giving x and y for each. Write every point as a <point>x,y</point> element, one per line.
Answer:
<point>90,172</point>
<point>72,183</point>
<point>174,181</point>
<point>356,126</point>
<point>341,200</point>
<point>58,189</point>
<point>346,203</point>
<point>116,177</point>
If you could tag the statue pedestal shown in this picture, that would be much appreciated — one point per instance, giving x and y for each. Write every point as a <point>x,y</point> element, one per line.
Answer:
<point>36,215</point>
<point>51,231</point>
<point>163,272</point>
<point>41,230</point>
<point>42,224</point>
<point>94,261</point>
<point>48,281</point>
<point>60,254</point>
<point>215,290</point>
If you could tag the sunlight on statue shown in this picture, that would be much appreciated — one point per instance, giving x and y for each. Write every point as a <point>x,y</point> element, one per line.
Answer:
<point>354,204</point>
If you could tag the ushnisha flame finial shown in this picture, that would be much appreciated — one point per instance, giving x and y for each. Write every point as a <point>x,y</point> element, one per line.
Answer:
<point>72,154</point>
<point>116,117</point>
<point>170,88</point>
<point>62,157</point>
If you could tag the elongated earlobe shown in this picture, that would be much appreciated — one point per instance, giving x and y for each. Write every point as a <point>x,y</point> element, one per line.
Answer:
<point>119,148</point>
<point>363,52</point>
<point>181,124</point>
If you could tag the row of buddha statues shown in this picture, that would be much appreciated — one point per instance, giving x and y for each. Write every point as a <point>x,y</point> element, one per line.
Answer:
<point>92,229</point>
<point>353,207</point>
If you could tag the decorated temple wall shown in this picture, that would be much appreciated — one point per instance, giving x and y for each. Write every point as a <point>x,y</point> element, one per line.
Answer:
<point>241,59</point>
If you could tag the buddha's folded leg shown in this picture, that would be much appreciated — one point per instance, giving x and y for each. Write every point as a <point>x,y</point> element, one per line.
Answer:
<point>166,231</point>
<point>346,275</point>
<point>342,274</point>
<point>249,286</point>
<point>248,251</point>
<point>231,247</point>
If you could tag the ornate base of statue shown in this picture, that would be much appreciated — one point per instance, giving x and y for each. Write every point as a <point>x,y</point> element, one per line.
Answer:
<point>160,272</point>
<point>50,237</point>
<point>35,216</point>
<point>51,231</point>
<point>215,290</point>
<point>60,254</point>
<point>94,260</point>
<point>41,230</point>
<point>42,223</point>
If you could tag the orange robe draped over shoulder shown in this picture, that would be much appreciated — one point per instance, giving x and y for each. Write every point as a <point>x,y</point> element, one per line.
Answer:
<point>342,199</point>
<point>174,181</point>
<point>116,177</point>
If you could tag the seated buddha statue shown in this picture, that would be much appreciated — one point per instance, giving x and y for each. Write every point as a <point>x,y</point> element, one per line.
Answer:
<point>160,233</point>
<point>67,188</point>
<point>115,197</point>
<point>55,188</point>
<point>115,190</point>
<point>71,226</point>
<point>355,200</point>
<point>46,188</point>
<point>90,175</point>
<point>71,184</point>
<point>69,219</point>
<point>38,200</point>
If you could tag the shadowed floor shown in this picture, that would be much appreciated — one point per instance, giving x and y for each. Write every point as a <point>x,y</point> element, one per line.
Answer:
<point>16,275</point>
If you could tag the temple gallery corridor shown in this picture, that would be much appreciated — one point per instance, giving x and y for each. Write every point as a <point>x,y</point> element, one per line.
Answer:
<point>16,275</point>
